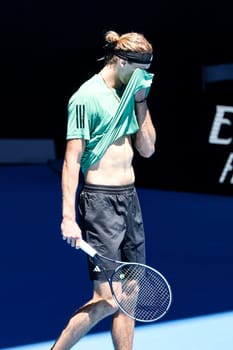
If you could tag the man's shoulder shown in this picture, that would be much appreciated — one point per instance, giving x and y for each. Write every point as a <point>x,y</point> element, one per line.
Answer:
<point>87,89</point>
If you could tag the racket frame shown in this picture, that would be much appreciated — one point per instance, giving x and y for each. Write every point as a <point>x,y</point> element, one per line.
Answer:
<point>89,250</point>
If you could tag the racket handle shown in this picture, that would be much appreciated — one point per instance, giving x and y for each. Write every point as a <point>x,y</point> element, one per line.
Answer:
<point>87,248</point>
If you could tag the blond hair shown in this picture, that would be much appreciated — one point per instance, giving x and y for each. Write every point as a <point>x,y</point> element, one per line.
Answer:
<point>131,42</point>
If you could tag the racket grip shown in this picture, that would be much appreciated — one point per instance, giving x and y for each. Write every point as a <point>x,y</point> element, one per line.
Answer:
<point>87,248</point>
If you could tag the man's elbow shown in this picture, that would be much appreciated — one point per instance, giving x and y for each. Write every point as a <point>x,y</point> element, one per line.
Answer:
<point>147,152</point>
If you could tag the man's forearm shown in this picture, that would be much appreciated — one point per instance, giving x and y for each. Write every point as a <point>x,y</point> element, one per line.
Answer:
<point>145,138</point>
<point>70,179</point>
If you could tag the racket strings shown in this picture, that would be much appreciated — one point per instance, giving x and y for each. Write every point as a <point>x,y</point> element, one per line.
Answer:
<point>143,293</point>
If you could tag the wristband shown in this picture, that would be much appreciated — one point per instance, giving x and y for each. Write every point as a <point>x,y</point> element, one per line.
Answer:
<point>144,100</point>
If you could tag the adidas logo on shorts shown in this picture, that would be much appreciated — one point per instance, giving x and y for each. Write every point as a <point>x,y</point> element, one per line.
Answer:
<point>96,269</point>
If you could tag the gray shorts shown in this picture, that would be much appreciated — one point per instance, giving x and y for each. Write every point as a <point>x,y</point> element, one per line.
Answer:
<point>111,221</point>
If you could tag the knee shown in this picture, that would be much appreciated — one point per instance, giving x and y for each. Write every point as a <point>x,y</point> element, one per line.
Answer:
<point>109,305</point>
<point>112,304</point>
<point>103,297</point>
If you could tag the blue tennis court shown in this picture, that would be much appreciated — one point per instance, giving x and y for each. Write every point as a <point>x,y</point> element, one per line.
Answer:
<point>189,239</point>
<point>206,332</point>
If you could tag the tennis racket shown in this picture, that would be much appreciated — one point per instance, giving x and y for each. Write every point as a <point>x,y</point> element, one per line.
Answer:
<point>140,291</point>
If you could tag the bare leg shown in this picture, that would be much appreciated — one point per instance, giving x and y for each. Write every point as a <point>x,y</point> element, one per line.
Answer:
<point>122,331</point>
<point>101,306</point>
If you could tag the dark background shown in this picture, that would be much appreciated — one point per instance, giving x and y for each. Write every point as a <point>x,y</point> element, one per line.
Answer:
<point>49,49</point>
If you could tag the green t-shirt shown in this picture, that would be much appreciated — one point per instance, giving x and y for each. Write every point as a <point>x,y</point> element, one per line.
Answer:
<point>96,115</point>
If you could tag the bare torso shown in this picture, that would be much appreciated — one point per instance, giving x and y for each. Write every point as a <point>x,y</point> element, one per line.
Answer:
<point>115,167</point>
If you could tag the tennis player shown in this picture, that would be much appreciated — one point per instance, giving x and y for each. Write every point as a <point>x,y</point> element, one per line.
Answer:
<point>108,119</point>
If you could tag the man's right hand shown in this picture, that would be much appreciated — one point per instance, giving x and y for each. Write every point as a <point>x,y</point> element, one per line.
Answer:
<point>71,232</point>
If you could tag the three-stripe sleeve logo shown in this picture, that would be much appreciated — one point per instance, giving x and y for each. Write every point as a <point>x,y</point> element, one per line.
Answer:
<point>80,116</point>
